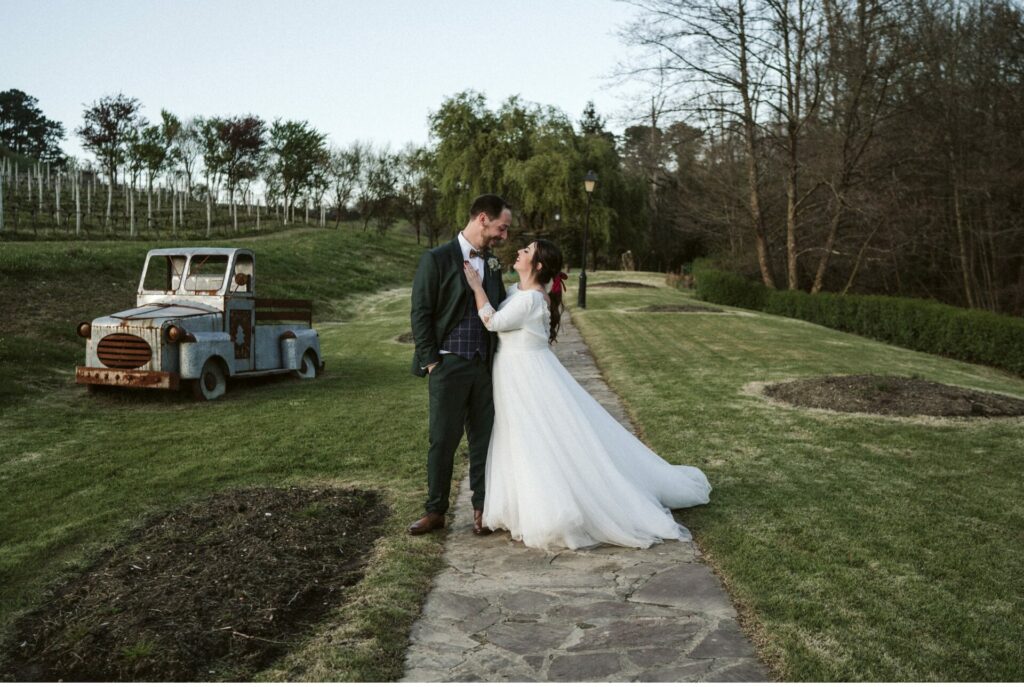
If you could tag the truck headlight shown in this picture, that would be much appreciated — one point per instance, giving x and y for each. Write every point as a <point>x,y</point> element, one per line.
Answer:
<point>174,334</point>
<point>84,330</point>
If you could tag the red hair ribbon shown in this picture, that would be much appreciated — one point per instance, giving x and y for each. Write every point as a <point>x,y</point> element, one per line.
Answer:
<point>558,282</point>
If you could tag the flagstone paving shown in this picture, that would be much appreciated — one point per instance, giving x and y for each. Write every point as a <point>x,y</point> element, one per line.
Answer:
<point>500,612</point>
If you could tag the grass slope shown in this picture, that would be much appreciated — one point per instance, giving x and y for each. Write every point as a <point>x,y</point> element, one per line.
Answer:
<point>78,472</point>
<point>859,548</point>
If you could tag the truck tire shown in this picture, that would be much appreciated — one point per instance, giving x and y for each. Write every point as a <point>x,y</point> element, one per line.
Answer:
<point>212,382</point>
<point>307,368</point>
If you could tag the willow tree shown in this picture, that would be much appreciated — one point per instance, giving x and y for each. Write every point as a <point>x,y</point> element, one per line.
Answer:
<point>468,165</point>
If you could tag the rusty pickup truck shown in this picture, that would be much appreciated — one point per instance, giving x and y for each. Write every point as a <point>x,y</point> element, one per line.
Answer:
<point>197,323</point>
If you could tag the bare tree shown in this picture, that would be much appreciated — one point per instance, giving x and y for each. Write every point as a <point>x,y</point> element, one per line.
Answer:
<point>213,162</point>
<point>151,149</point>
<point>345,170</point>
<point>187,150</point>
<point>417,190</point>
<point>377,199</point>
<point>863,58</point>
<point>713,57</point>
<point>796,32</point>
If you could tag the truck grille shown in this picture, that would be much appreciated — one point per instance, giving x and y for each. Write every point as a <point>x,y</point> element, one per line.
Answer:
<point>123,351</point>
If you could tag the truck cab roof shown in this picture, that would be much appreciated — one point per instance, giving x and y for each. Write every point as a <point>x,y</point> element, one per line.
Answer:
<point>199,251</point>
<point>206,273</point>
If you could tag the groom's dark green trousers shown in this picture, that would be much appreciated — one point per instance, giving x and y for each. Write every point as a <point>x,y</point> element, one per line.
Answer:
<point>460,397</point>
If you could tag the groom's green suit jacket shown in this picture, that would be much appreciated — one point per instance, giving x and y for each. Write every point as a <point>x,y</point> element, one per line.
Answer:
<point>440,294</point>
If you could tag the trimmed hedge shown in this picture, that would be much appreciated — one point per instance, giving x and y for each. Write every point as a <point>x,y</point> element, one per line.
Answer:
<point>973,336</point>
<point>727,288</point>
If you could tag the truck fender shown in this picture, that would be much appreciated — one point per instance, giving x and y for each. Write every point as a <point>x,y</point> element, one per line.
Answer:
<point>206,345</point>
<point>294,343</point>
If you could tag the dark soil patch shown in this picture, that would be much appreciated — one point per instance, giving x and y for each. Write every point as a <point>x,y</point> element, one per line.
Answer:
<point>678,308</point>
<point>885,395</point>
<point>216,590</point>
<point>621,285</point>
<point>405,338</point>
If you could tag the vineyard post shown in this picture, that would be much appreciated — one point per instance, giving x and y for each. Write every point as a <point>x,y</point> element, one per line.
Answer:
<point>78,202</point>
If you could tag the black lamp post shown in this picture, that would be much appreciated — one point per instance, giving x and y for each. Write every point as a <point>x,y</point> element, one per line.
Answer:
<point>589,182</point>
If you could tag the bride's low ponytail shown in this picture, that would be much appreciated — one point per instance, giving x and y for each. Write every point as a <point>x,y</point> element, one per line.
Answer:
<point>551,277</point>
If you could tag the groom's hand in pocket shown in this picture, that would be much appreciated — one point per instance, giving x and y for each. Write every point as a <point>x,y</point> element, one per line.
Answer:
<point>430,367</point>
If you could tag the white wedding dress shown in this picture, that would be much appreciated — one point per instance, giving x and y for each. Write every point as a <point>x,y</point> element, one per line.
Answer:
<point>561,471</point>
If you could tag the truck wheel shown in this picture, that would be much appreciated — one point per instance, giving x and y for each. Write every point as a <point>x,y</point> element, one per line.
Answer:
<point>212,383</point>
<point>307,369</point>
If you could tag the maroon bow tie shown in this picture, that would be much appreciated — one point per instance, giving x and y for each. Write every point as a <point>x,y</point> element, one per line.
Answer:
<point>474,253</point>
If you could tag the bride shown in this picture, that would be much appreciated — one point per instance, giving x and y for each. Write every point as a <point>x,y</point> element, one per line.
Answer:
<point>561,472</point>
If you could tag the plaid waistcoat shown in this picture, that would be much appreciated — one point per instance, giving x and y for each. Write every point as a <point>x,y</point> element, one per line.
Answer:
<point>469,336</point>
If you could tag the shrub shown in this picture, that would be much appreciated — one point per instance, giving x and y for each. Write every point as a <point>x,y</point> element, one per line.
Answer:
<point>974,336</point>
<point>726,288</point>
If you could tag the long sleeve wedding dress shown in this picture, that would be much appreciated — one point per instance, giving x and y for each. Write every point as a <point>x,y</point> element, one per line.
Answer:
<point>561,471</point>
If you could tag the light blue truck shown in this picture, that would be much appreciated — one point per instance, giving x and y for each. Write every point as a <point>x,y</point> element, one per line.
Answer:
<point>197,322</point>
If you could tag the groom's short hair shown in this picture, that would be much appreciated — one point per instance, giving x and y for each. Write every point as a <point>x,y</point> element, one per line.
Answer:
<point>490,203</point>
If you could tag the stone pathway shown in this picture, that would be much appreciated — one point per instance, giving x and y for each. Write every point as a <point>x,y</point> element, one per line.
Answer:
<point>501,612</point>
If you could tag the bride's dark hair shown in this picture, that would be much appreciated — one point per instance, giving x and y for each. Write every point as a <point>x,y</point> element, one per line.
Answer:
<point>549,257</point>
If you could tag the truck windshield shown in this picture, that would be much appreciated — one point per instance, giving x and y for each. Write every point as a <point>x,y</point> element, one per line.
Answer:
<point>163,273</point>
<point>206,273</point>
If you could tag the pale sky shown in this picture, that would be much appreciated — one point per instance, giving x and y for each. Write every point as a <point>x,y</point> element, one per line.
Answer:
<point>362,69</point>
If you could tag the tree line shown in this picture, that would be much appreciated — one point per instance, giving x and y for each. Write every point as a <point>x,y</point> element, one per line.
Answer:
<point>864,145</point>
<point>201,171</point>
<point>170,175</point>
<point>869,146</point>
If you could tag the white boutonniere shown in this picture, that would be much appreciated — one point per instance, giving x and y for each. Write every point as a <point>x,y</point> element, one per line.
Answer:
<point>493,264</point>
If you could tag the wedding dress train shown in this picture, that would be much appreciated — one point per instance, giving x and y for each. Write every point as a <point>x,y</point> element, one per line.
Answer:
<point>561,471</point>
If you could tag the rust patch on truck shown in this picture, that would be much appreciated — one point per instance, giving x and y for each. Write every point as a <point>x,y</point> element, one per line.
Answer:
<point>241,332</point>
<point>130,378</point>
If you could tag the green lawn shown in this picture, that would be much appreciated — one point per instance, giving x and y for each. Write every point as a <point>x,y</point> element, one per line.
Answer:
<point>858,548</point>
<point>78,472</point>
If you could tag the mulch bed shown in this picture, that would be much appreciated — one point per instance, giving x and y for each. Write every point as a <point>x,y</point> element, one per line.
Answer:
<point>678,308</point>
<point>890,395</point>
<point>621,285</point>
<point>216,590</point>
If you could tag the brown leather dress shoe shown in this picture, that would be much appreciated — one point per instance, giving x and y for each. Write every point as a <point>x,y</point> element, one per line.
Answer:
<point>478,524</point>
<point>428,523</point>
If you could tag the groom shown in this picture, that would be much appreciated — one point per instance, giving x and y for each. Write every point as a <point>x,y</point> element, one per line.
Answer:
<point>455,351</point>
